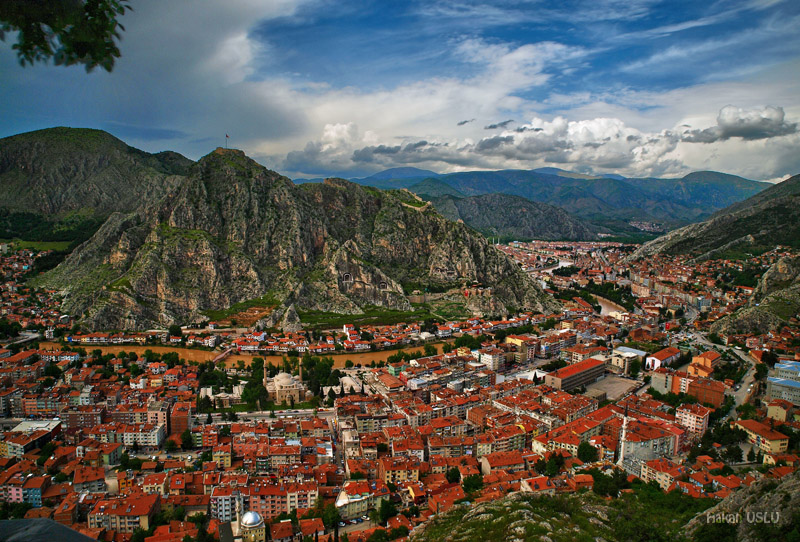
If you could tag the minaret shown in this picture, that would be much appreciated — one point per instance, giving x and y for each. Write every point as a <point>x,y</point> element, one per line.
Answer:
<point>238,507</point>
<point>622,438</point>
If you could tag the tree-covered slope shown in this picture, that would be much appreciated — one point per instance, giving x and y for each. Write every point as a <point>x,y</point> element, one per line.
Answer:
<point>60,184</point>
<point>765,220</point>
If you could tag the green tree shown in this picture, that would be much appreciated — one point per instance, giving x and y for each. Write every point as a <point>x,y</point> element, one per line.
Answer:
<point>447,348</point>
<point>379,536</point>
<point>734,454</point>
<point>170,446</point>
<point>330,516</point>
<point>386,510</point>
<point>429,350</point>
<point>634,368</point>
<point>453,475</point>
<point>187,443</point>
<point>751,455</point>
<point>472,483</point>
<point>587,453</point>
<point>69,32</point>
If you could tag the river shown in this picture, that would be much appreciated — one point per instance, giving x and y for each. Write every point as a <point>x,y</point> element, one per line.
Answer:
<point>561,263</point>
<point>607,306</point>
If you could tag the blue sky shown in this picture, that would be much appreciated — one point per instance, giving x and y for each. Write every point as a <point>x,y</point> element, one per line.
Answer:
<point>316,87</point>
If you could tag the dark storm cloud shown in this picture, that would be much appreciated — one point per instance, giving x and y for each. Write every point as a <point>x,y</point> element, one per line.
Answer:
<point>498,125</point>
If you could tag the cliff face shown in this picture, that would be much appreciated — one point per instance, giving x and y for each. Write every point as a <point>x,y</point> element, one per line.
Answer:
<point>775,300</point>
<point>234,231</point>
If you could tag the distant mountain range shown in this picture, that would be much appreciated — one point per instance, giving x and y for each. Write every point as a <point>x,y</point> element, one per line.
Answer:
<point>504,215</point>
<point>608,201</point>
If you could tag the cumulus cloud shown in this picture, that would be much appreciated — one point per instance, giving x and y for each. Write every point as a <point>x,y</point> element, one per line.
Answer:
<point>747,124</point>
<point>600,143</point>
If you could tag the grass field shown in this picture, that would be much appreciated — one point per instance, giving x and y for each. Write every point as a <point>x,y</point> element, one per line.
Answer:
<point>38,245</point>
<point>266,302</point>
<point>371,316</point>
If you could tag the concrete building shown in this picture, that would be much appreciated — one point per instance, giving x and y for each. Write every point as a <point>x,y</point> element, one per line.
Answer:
<point>785,383</point>
<point>576,375</point>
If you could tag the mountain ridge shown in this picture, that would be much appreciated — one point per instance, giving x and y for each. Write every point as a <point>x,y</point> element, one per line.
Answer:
<point>234,231</point>
<point>768,218</point>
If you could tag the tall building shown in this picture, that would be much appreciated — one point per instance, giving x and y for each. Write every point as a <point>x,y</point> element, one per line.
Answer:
<point>785,384</point>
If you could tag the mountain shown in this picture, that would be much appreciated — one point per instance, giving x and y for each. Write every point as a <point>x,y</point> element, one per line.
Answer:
<point>234,232</point>
<point>775,300</point>
<point>401,173</point>
<point>670,201</point>
<point>769,218</point>
<point>60,184</point>
<point>431,188</point>
<point>506,216</point>
<point>58,171</point>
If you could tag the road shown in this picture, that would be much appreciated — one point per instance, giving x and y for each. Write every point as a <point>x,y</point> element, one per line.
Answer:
<point>741,395</point>
<point>261,415</point>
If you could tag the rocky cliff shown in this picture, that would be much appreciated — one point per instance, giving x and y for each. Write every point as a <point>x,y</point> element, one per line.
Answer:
<point>775,300</point>
<point>233,231</point>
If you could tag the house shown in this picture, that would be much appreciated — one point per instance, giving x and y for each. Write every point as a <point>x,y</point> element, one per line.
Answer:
<point>662,358</point>
<point>767,440</point>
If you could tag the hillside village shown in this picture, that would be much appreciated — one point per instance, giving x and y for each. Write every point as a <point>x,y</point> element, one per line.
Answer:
<point>256,434</point>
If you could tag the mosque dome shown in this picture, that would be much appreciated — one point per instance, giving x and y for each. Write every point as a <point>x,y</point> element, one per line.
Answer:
<point>251,520</point>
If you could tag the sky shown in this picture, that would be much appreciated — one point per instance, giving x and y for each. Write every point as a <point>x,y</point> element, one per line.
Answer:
<point>315,88</point>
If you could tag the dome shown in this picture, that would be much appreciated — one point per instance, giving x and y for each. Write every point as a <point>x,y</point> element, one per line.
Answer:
<point>251,520</point>
<point>284,379</point>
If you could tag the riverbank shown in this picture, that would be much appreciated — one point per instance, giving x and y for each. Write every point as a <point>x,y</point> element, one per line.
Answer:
<point>200,356</point>
<point>607,306</point>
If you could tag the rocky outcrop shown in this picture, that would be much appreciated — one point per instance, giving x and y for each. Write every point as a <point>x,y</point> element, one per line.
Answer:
<point>233,231</point>
<point>748,514</point>
<point>775,300</point>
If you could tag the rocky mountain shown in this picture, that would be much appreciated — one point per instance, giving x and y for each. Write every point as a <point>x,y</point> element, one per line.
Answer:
<point>609,198</point>
<point>233,231</point>
<point>775,300</point>
<point>769,218</point>
<point>513,217</point>
<point>60,171</point>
